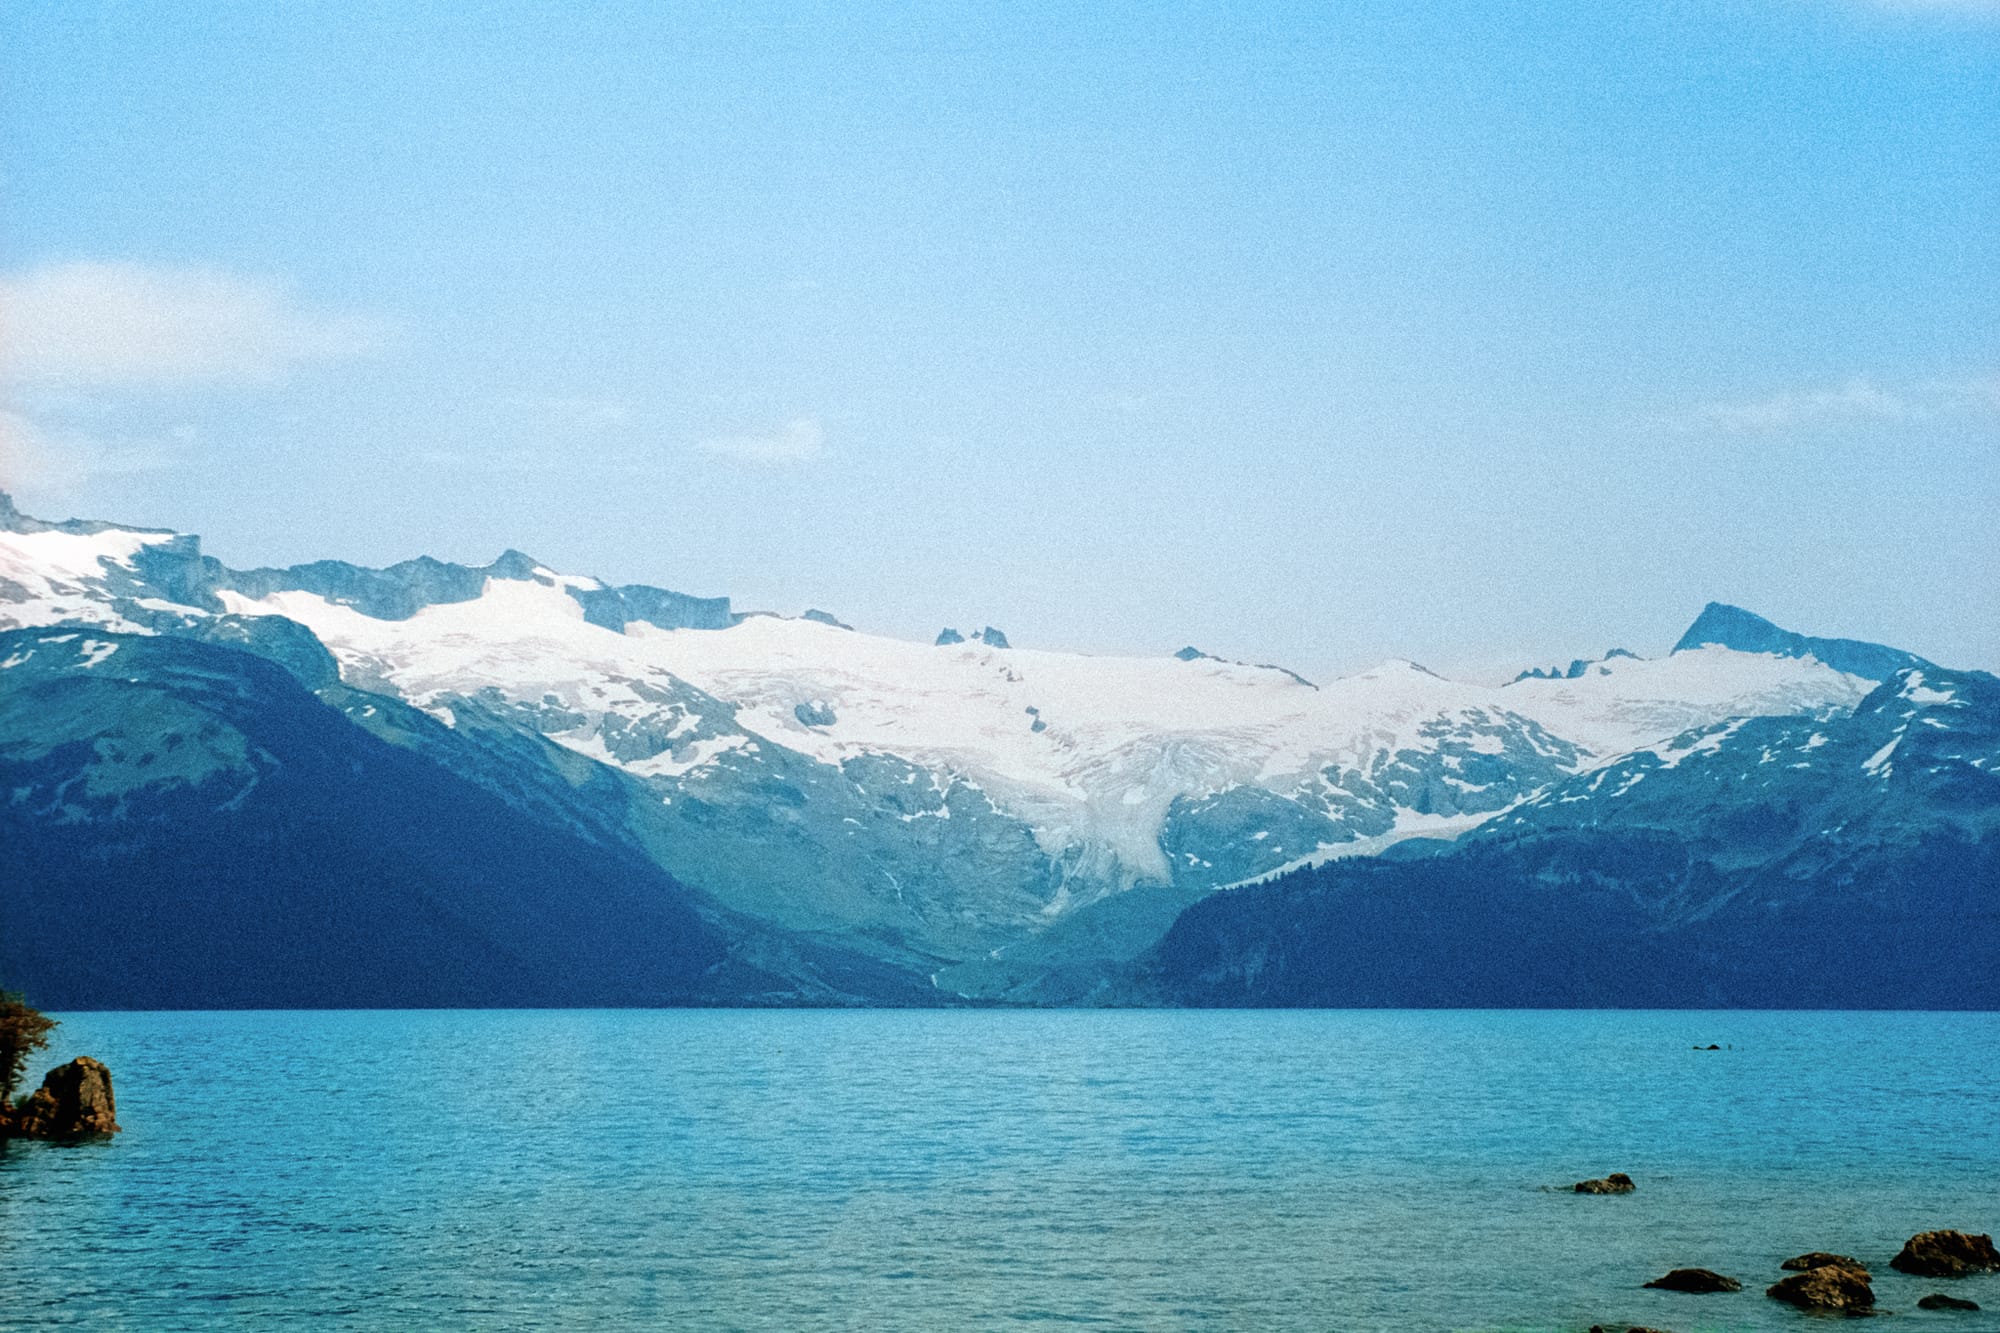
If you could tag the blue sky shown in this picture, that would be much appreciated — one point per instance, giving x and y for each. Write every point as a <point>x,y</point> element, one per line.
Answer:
<point>1479,334</point>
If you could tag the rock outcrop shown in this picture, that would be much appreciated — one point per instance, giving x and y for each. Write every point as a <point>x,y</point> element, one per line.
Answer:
<point>1615,1183</point>
<point>1827,1287</point>
<point>1697,1281</point>
<point>1947,1254</point>
<point>74,1102</point>
<point>1941,1302</point>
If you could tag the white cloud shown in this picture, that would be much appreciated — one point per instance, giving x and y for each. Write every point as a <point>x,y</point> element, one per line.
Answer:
<point>37,460</point>
<point>25,457</point>
<point>800,441</point>
<point>1980,393</point>
<point>1857,400</point>
<point>92,323</point>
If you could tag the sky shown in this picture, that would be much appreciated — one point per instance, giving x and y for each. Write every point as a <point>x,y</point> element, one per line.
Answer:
<point>1485,335</point>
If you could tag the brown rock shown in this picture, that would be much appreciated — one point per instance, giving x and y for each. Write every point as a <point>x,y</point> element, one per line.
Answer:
<point>74,1102</point>
<point>1636,1328</point>
<point>1827,1287</point>
<point>1615,1183</point>
<point>1947,1254</point>
<point>1699,1281</point>
<point>1946,1303</point>
<point>1822,1259</point>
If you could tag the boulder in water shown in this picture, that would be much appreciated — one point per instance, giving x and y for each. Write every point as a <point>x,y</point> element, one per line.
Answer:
<point>1698,1281</point>
<point>1615,1183</point>
<point>74,1102</point>
<point>1940,1302</point>
<point>1947,1254</point>
<point>1823,1259</point>
<point>1827,1287</point>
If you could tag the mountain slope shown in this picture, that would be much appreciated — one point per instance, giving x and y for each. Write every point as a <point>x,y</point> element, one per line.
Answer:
<point>1787,862</point>
<point>186,826</point>
<point>1725,626</point>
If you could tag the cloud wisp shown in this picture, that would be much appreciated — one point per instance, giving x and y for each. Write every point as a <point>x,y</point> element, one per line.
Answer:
<point>39,460</point>
<point>800,441</point>
<point>115,324</point>
<point>1857,400</point>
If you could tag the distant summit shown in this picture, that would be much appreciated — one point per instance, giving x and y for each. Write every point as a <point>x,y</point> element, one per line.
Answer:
<point>989,636</point>
<point>1576,668</point>
<point>1732,627</point>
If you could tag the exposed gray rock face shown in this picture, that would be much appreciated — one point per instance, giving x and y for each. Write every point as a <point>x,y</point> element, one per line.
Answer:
<point>989,636</point>
<point>74,1102</point>
<point>815,714</point>
<point>1470,767</point>
<point>616,608</point>
<point>1577,668</point>
<point>395,593</point>
<point>1947,1254</point>
<point>1733,627</point>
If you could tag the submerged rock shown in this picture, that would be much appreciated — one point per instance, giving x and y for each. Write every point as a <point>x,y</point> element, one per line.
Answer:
<point>1615,1183</point>
<point>1697,1281</point>
<point>1940,1302</point>
<point>1947,1254</point>
<point>1824,1259</point>
<point>74,1102</point>
<point>1827,1287</point>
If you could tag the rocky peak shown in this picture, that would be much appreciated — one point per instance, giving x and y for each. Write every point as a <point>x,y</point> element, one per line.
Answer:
<point>1726,626</point>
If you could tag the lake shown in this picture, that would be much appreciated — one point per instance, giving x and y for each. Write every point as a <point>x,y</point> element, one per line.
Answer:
<point>943,1170</point>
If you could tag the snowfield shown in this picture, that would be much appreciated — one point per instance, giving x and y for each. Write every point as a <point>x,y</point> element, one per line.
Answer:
<point>1080,748</point>
<point>1105,760</point>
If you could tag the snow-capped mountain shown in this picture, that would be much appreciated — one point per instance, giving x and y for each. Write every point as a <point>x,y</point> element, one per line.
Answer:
<point>1851,860</point>
<point>939,802</point>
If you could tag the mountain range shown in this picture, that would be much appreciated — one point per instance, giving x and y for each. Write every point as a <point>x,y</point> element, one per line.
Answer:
<point>445,784</point>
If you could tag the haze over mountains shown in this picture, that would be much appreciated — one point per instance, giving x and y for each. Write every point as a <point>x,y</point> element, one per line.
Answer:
<point>435,784</point>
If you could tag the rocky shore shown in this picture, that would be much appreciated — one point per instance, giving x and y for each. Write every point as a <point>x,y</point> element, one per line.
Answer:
<point>1823,1282</point>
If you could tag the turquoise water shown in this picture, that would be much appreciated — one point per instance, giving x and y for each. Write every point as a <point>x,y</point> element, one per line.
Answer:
<point>943,1170</point>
